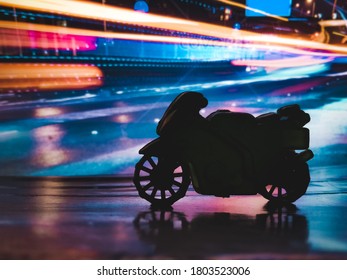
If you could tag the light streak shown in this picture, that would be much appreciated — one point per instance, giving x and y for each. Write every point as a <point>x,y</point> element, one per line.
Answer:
<point>339,34</point>
<point>65,36</point>
<point>4,135</point>
<point>90,10</point>
<point>344,37</point>
<point>23,77</point>
<point>332,23</point>
<point>47,112</point>
<point>299,88</point>
<point>82,37</point>
<point>32,38</point>
<point>282,63</point>
<point>298,43</point>
<point>120,15</point>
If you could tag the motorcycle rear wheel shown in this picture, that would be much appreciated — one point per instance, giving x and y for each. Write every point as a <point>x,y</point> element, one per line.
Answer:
<point>291,185</point>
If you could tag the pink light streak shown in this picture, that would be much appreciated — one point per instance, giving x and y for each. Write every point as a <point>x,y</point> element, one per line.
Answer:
<point>45,40</point>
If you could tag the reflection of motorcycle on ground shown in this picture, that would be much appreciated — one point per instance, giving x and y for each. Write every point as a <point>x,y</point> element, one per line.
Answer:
<point>172,235</point>
<point>225,154</point>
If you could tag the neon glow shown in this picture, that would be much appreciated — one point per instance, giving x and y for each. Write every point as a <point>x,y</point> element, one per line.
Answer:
<point>238,45</point>
<point>48,150</point>
<point>47,112</point>
<point>282,63</point>
<point>298,88</point>
<point>62,38</point>
<point>47,36</point>
<point>23,77</point>
<point>27,38</point>
<point>332,23</point>
<point>113,14</point>
<point>298,43</point>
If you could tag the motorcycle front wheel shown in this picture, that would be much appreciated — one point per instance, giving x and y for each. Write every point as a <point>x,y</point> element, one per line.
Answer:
<point>161,181</point>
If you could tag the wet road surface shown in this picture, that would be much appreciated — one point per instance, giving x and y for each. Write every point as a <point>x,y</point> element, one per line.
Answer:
<point>104,218</point>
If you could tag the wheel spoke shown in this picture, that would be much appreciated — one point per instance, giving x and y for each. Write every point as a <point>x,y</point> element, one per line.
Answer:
<point>273,187</point>
<point>144,178</point>
<point>160,180</point>
<point>151,162</point>
<point>154,192</point>
<point>179,174</point>
<point>178,184</point>
<point>162,194</point>
<point>146,188</point>
<point>170,189</point>
<point>146,169</point>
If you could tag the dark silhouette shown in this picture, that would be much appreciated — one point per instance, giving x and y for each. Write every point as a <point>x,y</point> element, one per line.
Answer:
<point>225,154</point>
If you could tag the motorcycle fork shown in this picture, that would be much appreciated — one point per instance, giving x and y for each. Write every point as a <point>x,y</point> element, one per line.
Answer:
<point>163,175</point>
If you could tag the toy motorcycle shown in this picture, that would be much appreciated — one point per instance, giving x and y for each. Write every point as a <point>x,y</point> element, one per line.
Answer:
<point>226,153</point>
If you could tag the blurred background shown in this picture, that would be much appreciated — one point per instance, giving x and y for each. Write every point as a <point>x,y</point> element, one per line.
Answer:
<point>83,84</point>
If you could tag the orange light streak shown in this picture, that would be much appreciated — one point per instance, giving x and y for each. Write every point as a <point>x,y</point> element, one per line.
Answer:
<point>9,35</point>
<point>268,42</point>
<point>333,23</point>
<point>23,77</point>
<point>101,12</point>
<point>120,15</point>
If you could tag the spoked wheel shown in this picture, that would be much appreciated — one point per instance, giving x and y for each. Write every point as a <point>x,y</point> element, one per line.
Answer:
<point>274,193</point>
<point>161,181</point>
<point>290,186</point>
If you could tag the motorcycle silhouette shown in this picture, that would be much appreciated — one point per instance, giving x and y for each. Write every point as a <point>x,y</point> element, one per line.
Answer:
<point>226,153</point>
